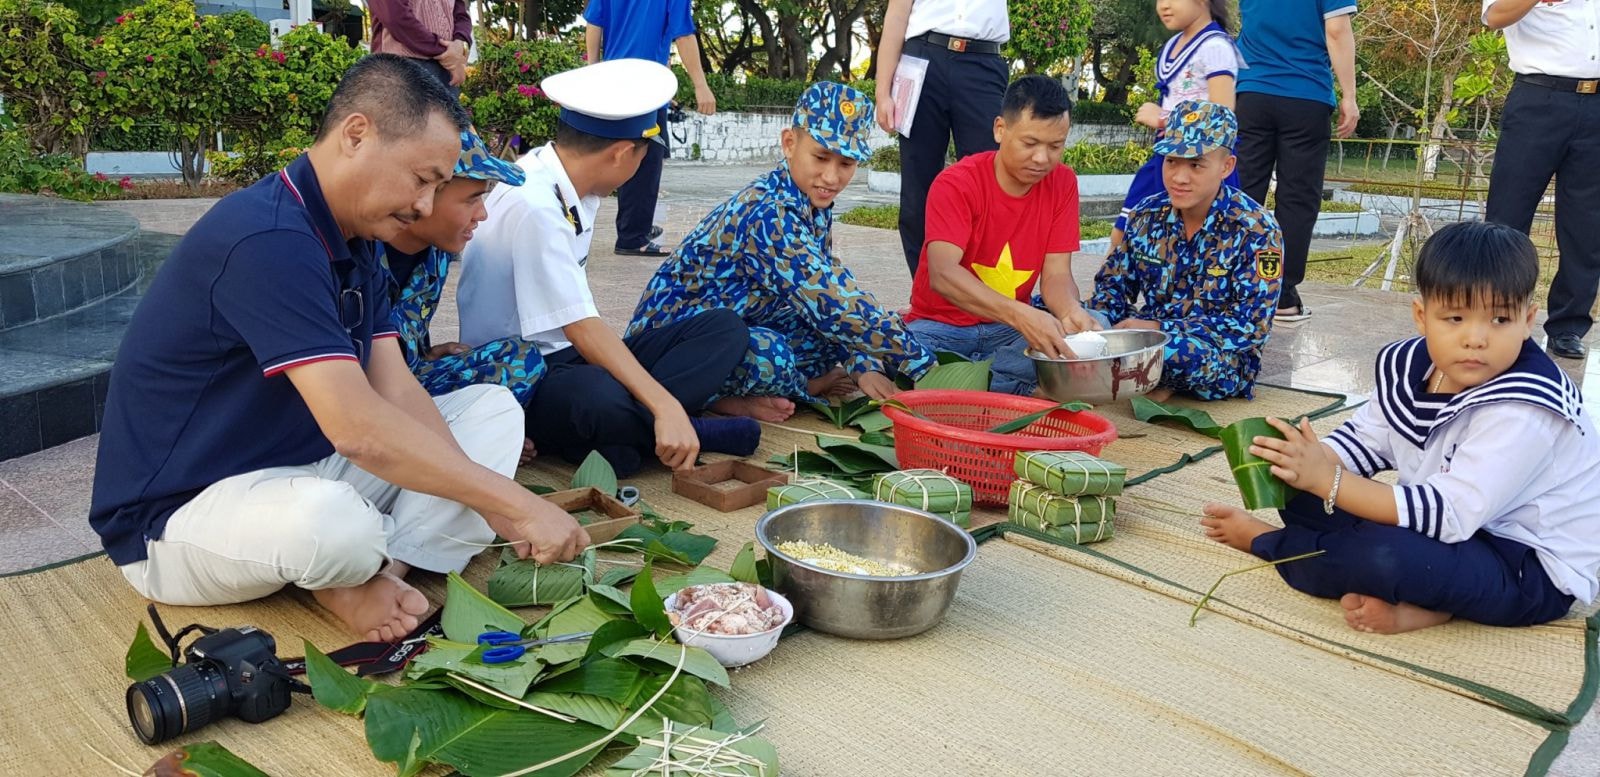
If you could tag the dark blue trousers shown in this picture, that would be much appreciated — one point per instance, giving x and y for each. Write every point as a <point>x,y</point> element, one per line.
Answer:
<point>960,99</point>
<point>1545,132</point>
<point>1291,137</point>
<point>578,407</point>
<point>1487,579</point>
<point>636,199</point>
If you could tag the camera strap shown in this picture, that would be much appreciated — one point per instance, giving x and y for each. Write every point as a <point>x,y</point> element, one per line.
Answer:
<point>380,658</point>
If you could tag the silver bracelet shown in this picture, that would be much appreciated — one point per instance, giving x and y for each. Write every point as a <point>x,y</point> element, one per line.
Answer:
<point>1333,493</point>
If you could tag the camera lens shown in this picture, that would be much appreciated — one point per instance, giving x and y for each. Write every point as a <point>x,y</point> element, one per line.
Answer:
<point>181,700</point>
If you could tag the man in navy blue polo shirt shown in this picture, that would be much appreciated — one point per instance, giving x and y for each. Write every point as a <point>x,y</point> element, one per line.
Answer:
<point>262,428</point>
<point>1285,100</point>
<point>646,29</point>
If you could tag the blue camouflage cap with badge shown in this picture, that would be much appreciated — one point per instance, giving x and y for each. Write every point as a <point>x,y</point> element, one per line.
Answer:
<point>838,116</point>
<point>1197,127</point>
<point>478,164</point>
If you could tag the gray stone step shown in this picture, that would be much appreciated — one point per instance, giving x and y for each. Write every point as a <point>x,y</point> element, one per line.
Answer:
<point>58,256</point>
<point>54,373</point>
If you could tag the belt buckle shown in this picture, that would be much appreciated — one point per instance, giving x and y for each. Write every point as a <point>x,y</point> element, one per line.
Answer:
<point>1590,86</point>
<point>958,45</point>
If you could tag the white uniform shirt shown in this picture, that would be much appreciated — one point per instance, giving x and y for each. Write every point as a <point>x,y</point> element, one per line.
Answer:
<point>973,19</point>
<point>1556,38</point>
<point>1514,456</point>
<point>523,273</point>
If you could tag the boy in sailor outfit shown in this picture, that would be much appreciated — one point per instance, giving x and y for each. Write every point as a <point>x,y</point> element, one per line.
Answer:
<point>1495,518</point>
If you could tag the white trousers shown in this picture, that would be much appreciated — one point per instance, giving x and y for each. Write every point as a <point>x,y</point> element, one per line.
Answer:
<point>328,524</point>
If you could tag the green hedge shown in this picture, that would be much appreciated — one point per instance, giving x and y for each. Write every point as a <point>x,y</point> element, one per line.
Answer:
<point>1090,112</point>
<point>754,93</point>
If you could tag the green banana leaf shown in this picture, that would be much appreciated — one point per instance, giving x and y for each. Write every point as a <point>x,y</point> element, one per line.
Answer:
<point>608,678</point>
<point>1151,411</point>
<point>872,421</point>
<point>209,759</point>
<point>744,565</point>
<point>883,438</point>
<point>144,659</point>
<point>444,657</point>
<point>698,663</point>
<point>612,599</point>
<point>524,582</point>
<point>608,634</point>
<point>413,727</point>
<point>843,413</point>
<point>468,613</point>
<point>647,758</point>
<point>648,608</point>
<point>687,701</point>
<point>332,686</point>
<point>700,575</point>
<point>676,545</point>
<point>967,375</point>
<point>582,614</point>
<point>1023,422</point>
<point>862,457</point>
<point>596,472</point>
<point>1259,487</point>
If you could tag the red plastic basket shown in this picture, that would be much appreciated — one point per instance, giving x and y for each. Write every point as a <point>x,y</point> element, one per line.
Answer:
<point>951,436</point>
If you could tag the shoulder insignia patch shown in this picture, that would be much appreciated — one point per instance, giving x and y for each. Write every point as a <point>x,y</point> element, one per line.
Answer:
<point>1269,264</point>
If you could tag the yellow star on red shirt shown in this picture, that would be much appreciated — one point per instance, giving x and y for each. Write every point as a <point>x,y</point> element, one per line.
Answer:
<point>1003,276</point>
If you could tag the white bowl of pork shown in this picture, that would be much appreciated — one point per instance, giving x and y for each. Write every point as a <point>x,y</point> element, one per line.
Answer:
<point>737,623</point>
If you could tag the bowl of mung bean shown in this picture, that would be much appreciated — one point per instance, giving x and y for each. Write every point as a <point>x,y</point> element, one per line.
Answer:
<point>864,569</point>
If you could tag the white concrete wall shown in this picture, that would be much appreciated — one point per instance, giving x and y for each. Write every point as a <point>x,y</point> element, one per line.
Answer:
<point>734,138</point>
<point>1393,205</point>
<point>116,164</point>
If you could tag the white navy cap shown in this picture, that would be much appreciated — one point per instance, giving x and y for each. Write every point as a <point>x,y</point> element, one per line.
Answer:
<point>617,99</point>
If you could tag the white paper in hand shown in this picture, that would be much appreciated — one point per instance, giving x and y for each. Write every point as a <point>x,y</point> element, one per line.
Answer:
<point>1087,345</point>
<point>907,91</point>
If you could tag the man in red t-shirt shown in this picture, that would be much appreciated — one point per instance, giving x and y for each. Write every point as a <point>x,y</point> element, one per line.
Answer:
<point>1000,224</point>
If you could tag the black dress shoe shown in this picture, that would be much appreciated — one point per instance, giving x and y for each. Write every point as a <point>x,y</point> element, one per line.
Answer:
<point>1568,347</point>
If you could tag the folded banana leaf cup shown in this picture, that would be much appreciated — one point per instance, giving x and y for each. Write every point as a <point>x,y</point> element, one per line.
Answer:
<point>1259,487</point>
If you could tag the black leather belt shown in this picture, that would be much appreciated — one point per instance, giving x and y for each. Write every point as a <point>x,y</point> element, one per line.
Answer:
<point>960,45</point>
<point>1560,84</point>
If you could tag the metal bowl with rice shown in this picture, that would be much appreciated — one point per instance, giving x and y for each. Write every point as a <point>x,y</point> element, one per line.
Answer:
<point>863,606</point>
<point>1130,367</point>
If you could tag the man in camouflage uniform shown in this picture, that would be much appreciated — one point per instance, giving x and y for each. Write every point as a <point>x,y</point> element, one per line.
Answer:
<point>1206,258</point>
<point>419,259</point>
<point>767,254</point>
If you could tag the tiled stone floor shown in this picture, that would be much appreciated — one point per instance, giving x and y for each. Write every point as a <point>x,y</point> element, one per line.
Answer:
<point>44,498</point>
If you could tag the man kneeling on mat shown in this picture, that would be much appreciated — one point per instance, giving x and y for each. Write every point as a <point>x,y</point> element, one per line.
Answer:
<point>1496,518</point>
<point>262,429</point>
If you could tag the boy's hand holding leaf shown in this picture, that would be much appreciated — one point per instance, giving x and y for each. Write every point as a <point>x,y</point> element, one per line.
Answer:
<point>1300,459</point>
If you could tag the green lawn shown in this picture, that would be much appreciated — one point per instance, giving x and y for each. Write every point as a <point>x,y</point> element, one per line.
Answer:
<point>1342,266</point>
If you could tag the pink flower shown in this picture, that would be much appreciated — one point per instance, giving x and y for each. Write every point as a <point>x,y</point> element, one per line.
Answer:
<point>523,67</point>
<point>126,182</point>
<point>526,90</point>
<point>584,56</point>
<point>123,19</point>
<point>149,57</point>
<point>98,41</point>
<point>517,55</point>
<point>100,176</point>
<point>100,75</point>
<point>279,57</point>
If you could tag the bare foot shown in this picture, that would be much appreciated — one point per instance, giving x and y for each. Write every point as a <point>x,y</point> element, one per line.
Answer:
<point>835,383</point>
<point>1232,526</point>
<point>1159,395</point>
<point>383,609</point>
<point>1376,616</point>
<point>528,452</point>
<point>771,409</point>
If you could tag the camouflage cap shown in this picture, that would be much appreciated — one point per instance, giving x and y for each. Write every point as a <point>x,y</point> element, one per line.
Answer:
<point>838,116</point>
<point>1196,127</point>
<point>477,163</point>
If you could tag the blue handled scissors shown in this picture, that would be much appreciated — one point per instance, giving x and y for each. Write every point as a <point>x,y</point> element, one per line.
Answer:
<point>506,646</point>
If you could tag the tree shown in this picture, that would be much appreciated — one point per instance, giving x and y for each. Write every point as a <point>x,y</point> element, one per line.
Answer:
<point>43,78</point>
<point>1402,40</point>
<point>1119,30</point>
<point>1047,33</point>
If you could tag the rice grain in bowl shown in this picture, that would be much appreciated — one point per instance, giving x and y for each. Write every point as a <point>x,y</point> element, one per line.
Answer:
<point>737,623</point>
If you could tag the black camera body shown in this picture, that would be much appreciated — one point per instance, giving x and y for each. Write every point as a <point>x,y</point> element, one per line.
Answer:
<point>231,672</point>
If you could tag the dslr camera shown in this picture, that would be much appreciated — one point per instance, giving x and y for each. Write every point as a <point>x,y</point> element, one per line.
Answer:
<point>229,672</point>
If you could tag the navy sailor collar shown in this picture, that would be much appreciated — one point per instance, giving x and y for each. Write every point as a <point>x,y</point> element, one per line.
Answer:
<point>1404,368</point>
<point>1172,59</point>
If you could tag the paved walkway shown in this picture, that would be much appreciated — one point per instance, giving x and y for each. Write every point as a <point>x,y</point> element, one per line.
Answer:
<point>44,498</point>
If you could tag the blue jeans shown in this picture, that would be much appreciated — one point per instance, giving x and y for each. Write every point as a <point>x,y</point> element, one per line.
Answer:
<point>1012,371</point>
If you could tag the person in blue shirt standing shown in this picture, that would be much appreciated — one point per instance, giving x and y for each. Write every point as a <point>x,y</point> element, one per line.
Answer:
<point>646,29</point>
<point>262,429</point>
<point>1285,100</point>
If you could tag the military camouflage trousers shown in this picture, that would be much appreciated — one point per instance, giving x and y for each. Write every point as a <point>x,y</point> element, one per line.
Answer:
<point>778,364</point>
<point>511,362</point>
